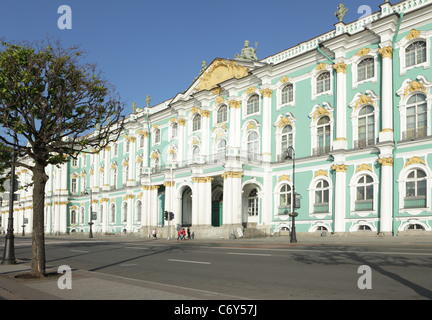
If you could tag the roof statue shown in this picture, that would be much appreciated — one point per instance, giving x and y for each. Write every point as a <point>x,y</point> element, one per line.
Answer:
<point>247,53</point>
<point>203,68</point>
<point>134,107</point>
<point>148,99</point>
<point>341,12</point>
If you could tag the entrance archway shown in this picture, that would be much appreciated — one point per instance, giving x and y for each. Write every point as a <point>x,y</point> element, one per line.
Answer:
<point>250,204</point>
<point>186,207</point>
<point>217,207</point>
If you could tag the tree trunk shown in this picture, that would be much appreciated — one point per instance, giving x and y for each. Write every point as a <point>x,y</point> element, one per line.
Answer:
<point>38,238</point>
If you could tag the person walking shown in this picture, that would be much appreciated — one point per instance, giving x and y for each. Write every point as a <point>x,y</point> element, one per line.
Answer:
<point>154,233</point>
<point>179,234</point>
<point>188,233</point>
<point>183,234</point>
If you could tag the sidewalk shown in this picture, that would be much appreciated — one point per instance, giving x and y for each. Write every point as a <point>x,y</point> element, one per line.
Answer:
<point>97,286</point>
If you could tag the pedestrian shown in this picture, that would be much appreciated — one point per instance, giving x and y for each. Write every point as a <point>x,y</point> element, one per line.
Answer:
<point>178,234</point>
<point>188,232</point>
<point>154,233</point>
<point>183,233</point>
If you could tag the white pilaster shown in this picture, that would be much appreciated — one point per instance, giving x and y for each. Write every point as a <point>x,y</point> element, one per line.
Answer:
<point>340,197</point>
<point>387,95</point>
<point>386,192</point>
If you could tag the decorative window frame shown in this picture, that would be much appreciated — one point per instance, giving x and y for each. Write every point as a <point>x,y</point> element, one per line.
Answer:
<point>411,165</point>
<point>320,175</point>
<point>251,91</point>
<point>359,57</point>
<point>361,100</point>
<point>316,113</point>
<point>315,73</point>
<point>281,122</point>
<point>406,91</point>
<point>248,127</point>
<point>215,114</point>
<point>173,123</point>
<point>405,42</point>
<point>283,82</point>
<point>283,180</point>
<point>364,169</point>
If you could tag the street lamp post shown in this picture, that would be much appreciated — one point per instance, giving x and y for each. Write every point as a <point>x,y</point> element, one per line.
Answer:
<point>9,248</point>
<point>91,211</point>
<point>291,155</point>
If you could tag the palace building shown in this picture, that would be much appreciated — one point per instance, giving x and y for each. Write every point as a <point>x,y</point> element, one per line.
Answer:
<point>342,120</point>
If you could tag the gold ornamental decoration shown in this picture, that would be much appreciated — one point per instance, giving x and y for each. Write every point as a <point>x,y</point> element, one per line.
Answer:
<point>414,34</point>
<point>386,52</point>
<point>219,71</point>
<point>386,162</point>
<point>415,160</point>
<point>340,67</point>
<point>340,167</point>
<point>362,52</point>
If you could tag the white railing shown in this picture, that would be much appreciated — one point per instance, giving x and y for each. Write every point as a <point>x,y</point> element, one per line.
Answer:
<point>351,28</point>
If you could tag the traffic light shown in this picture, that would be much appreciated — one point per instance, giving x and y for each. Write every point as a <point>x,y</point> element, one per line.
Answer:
<point>166,215</point>
<point>171,216</point>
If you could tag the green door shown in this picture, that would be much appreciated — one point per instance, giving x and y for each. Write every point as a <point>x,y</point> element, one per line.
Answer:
<point>216,213</point>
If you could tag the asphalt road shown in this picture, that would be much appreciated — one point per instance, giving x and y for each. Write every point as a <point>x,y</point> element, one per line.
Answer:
<point>254,270</point>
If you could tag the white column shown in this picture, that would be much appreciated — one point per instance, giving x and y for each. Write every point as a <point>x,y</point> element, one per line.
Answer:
<point>387,95</point>
<point>205,133</point>
<point>340,197</point>
<point>232,198</point>
<point>386,186</point>
<point>266,130</point>
<point>234,130</point>
<point>341,139</point>
<point>181,140</point>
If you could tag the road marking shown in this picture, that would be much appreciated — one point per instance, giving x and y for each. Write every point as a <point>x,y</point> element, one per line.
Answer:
<point>128,264</point>
<point>80,251</point>
<point>250,254</point>
<point>189,261</point>
<point>137,248</point>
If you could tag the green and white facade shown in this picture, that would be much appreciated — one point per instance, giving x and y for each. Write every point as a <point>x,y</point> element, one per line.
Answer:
<point>354,103</point>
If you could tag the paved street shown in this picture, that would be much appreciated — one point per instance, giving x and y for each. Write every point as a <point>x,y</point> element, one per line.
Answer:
<point>243,269</point>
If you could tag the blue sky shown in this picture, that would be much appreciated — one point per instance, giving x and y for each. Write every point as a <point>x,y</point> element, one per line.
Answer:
<point>156,47</point>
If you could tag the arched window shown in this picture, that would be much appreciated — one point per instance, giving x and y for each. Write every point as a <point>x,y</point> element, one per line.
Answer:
<point>415,53</point>
<point>253,202</point>
<point>365,69</point>
<point>174,128</point>
<point>73,217</point>
<point>415,196</point>
<point>253,145</point>
<point>221,149</point>
<point>196,123</point>
<point>253,104</point>
<point>323,82</point>
<point>416,117</point>
<point>288,94</point>
<point>82,219</point>
<point>195,153</point>
<point>285,195</point>
<point>112,213</point>
<point>124,212</point>
<point>321,199</point>
<point>157,137</point>
<point>323,135</point>
<point>138,211</point>
<point>286,138</point>
<point>366,127</point>
<point>114,178</point>
<point>365,193</point>
<point>222,114</point>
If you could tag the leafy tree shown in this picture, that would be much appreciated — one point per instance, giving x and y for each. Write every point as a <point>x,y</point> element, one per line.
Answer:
<point>58,106</point>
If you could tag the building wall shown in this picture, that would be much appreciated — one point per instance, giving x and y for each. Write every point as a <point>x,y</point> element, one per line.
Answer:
<point>157,170</point>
